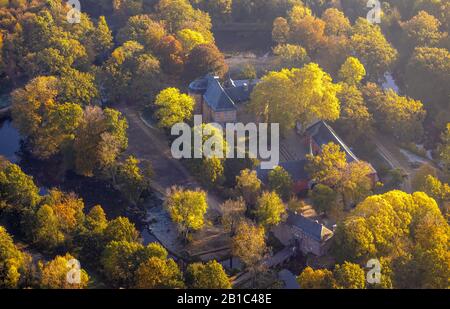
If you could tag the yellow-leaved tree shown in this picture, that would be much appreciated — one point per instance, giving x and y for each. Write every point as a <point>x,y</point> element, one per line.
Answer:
<point>190,39</point>
<point>303,95</point>
<point>13,263</point>
<point>187,209</point>
<point>249,245</point>
<point>56,274</point>
<point>352,71</point>
<point>173,107</point>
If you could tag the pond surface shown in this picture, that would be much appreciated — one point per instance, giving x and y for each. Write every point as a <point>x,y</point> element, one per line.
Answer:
<point>9,141</point>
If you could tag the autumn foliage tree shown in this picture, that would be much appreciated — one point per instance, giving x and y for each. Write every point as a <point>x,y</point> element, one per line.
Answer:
<point>233,212</point>
<point>13,262</point>
<point>356,121</point>
<point>207,276</point>
<point>130,74</point>
<point>187,209</point>
<point>381,225</point>
<point>296,95</point>
<point>400,116</point>
<point>290,56</point>
<point>132,180</point>
<point>48,124</point>
<point>372,48</point>
<point>157,273</point>
<point>54,274</point>
<point>173,107</point>
<point>427,72</point>
<point>350,180</point>
<point>352,71</point>
<point>316,279</point>
<point>280,32</point>
<point>270,209</point>
<point>120,229</point>
<point>336,23</point>
<point>248,186</point>
<point>249,245</point>
<point>444,150</point>
<point>307,30</point>
<point>350,276</point>
<point>203,59</point>
<point>97,132</point>
<point>423,30</point>
<point>281,182</point>
<point>127,264</point>
<point>144,30</point>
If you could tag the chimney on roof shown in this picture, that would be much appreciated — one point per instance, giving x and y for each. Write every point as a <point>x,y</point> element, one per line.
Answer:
<point>246,87</point>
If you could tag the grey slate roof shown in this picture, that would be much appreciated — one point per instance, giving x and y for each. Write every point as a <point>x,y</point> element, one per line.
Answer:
<point>312,228</point>
<point>223,97</point>
<point>216,97</point>
<point>323,134</point>
<point>295,168</point>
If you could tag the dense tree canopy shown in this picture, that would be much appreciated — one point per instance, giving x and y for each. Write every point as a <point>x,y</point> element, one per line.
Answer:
<point>350,276</point>
<point>187,209</point>
<point>270,209</point>
<point>400,116</point>
<point>281,182</point>
<point>132,180</point>
<point>427,74</point>
<point>423,30</point>
<point>444,150</point>
<point>203,59</point>
<point>65,80</point>
<point>248,186</point>
<point>372,48</point>
<point>290,56</point>
<point>352,71</point>
<point>380,226</point>
<point>331,168</point>
<point>249,244</point>
<point>54,274</point>
<point>17,188</point>
<point>316,279</point>
<point>157,273</point>
<point>173,107</point>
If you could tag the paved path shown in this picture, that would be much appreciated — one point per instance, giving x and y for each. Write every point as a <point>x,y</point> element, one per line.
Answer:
<point>151,144</point>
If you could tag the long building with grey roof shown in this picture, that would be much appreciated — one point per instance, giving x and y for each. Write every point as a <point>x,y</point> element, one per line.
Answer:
<point>218,102</point>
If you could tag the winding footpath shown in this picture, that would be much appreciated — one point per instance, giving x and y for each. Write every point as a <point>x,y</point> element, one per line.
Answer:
<point>147,143</point>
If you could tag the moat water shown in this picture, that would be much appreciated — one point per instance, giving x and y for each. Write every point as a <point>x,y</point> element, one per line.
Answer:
<point>9,141</point>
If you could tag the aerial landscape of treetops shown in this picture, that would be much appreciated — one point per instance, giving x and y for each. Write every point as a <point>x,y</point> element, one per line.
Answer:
<point>91,196</point>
